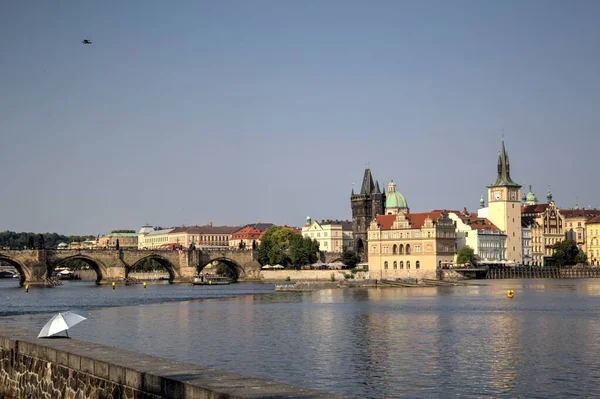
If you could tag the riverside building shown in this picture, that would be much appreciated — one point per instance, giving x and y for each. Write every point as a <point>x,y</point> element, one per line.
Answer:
<point>403,244</point>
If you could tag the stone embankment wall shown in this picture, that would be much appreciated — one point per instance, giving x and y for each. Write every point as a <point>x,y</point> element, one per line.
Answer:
<point>67,368</point>
<point>308,275</point>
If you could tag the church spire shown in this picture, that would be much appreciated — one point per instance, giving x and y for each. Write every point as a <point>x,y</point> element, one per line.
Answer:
<point>503,179</point>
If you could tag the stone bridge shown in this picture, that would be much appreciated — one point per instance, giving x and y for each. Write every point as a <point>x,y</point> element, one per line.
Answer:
<point>37,266</point>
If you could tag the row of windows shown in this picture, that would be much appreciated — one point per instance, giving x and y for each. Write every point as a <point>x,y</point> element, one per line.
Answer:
<point>417,265</point>
<point>416,234</point>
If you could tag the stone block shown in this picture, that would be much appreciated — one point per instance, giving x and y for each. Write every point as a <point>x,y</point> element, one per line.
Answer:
<point>116,373</point>
<point>74,361</point>
<point>49,355</point>
<point>101,369</point>
<point>62,358</point>
<point>133,378</point>
<point>173,388</point>
<point>87,365</point>
<point>152,384</point>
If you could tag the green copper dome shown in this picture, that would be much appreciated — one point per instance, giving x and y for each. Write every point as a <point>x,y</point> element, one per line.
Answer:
<point>530,196</point>
<point>394,200</point>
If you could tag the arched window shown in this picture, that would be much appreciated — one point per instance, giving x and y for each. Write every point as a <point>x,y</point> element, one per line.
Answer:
<point>408,264</point>
<point>407,249</point>
<point>395,265</point>
<point>385,265</point>
<point>417,265</point>
<point>394,249</point>
<point>401,264</point>
<point>401,249</point>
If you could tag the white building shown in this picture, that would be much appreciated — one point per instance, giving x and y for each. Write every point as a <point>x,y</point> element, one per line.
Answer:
<point>486,240</point>
<point>527,249</point>
<point>332,235</point>
<point>149,238</point>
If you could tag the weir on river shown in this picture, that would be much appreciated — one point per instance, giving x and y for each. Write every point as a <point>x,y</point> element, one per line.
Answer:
<point>543,272</point>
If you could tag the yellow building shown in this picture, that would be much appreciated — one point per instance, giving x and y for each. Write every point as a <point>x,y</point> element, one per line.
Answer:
<point>126,238</point>
<point>332,235</point>
<point>547,228</point>
<point>405,245</point>
<point>200,236</point>
<point>575,224</point>
<point>504,208</point>
<point>593,244</point>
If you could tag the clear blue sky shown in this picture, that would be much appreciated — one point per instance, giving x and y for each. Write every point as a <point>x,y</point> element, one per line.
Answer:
<point>236,111</point>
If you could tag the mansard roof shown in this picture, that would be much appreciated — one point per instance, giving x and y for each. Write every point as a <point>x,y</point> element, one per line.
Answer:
<point>477,223</point>
<point>580,213</point>
<point>536,208</point>
<point>346,225</point>
<point>594,220</point>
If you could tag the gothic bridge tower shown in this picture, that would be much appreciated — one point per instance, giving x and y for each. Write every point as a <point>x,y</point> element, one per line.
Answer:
<point>366,206</point>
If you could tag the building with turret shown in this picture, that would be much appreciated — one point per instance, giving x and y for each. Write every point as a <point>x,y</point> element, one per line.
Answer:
<point>545,226</point>
<point>366,206</point>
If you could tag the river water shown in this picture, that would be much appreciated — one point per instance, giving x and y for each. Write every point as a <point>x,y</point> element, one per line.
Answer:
<point>366,343</point>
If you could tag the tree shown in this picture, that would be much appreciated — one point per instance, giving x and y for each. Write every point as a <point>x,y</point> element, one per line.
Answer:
<point>466,255</point>
<point>275,245</point>
<point>117,246</point>
<point>567,253</point>
<point>30,242</point>
<point>350,258</point>
<point>192,246</point>
<point>41,244</point>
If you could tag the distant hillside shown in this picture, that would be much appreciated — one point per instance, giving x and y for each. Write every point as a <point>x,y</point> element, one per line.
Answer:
<point>13,240</point>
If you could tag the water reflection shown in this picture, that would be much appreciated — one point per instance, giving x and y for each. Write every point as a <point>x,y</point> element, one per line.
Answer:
<point>368,343</point>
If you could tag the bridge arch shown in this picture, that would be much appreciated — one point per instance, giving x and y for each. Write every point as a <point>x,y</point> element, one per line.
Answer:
<point>94,264</point>
<point>234,267</point>
<point>23,272</point>
<point>161,260</point>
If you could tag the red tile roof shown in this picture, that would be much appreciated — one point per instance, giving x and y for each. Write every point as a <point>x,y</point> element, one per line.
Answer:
<point>248,233</point>
<point>416,220</point>
<point>594,220</point>
<point>537,208</point>
<point>580,213</point>
<point>478,223</point>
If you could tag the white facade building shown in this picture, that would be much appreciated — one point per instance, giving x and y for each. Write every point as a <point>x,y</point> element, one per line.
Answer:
<point>486,240</point>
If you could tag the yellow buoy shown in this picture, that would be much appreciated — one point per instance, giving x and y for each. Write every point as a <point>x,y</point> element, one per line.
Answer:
<point>209,282</point>
<point>113,285</point>
<point>26,287</point>
<point>510,294</point>
<point>144,285</point>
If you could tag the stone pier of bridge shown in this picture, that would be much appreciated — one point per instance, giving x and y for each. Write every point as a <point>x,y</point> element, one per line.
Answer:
<point>37,266</point>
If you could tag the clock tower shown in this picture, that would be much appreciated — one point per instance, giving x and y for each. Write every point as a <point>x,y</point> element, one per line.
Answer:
<point>504,198</point>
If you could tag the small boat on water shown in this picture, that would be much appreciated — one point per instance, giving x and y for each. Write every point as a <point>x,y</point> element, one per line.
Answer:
<point>67,275</point>
<point>211,279</point>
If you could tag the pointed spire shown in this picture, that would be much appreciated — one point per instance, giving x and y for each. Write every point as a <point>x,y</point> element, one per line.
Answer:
<point>481,201</point>
<point>549,196</point>
<point>503,179</point>
<point>377,189</point>
<point>367,184</point>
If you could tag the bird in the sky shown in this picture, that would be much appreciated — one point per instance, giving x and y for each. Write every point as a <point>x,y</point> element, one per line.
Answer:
<point>86,41</point>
